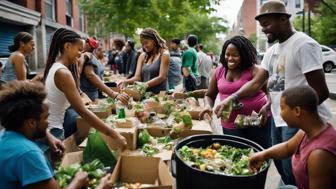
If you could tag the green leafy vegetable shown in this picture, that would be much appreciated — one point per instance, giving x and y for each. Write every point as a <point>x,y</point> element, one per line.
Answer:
<point>144,137</point>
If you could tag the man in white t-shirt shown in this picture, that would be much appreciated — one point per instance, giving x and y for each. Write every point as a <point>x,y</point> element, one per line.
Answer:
<point>294,60</point>
<point>204,67</point>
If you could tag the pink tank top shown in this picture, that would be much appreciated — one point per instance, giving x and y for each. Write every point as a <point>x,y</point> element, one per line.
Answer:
<point>227,88</point>
<point>326,140</point>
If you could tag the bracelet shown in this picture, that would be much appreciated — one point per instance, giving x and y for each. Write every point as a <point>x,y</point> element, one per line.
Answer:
<point>235,97</point>
<point>116,96</point>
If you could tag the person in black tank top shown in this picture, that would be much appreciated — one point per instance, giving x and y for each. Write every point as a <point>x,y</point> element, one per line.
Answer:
<point>153,63</point>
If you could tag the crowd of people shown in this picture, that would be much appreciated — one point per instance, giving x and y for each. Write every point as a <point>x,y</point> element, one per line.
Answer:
<point>288,91</point>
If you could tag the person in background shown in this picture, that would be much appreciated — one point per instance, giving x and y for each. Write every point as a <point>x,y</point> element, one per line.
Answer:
<point>204,67</point>
<point>190,65</point>
<point>24,115</point>
<point>100,54</point>
<point>239,66</point>
<point>312,149</point>
<point>175,64</point>
<point>111,62</point>
<point>91,77</point>
<point>16,66</point>
<point>131,59</point>
<point>62,83</point>
<point>153,63</point>
<point>295,60</point>
<point>118,55</point>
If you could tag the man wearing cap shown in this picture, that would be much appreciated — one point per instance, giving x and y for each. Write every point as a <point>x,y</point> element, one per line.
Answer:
<point>294,60</point>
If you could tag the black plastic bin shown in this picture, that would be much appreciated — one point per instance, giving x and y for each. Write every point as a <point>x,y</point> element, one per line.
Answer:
<point>192,178</point>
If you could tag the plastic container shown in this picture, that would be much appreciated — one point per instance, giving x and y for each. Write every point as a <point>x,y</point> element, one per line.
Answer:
<point>192,178</point>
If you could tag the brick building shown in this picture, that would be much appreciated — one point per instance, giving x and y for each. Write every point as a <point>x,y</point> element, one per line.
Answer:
<point>40,18</point>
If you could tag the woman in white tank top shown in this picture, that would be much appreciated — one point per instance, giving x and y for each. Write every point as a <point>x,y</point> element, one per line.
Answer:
<point>61,80</point>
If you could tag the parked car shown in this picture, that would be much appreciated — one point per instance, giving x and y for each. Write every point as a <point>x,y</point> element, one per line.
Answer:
<point>329,58</point>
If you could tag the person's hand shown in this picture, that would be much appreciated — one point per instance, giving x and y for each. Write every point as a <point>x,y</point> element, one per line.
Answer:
<point>264,114</point>
<point>56,146</point>
<point>219,108</point>
<point>86,100</point>
<point>105,182</point>
<point>123,97</point>
<point>206,110</point>
<point>81,179</point>
<point>256,160</point>
<point>179,95</point>
<point>120,140</point>
<point>121,85</point>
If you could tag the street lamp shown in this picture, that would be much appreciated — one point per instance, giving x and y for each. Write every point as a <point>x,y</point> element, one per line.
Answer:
<point>303,19</point>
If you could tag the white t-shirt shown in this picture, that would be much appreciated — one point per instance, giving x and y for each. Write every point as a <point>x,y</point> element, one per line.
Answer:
<point>204,64</point>
<point>56,99</point>
<point>286,63</point>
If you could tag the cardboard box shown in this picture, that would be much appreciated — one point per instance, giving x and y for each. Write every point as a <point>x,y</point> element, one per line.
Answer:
<point>72,158</point>
<point>130,134</point>
<point>133,93</point>
<point>70,144</point>
<point>125,123</point>
<point>195,114</point>
<point>145,170</point>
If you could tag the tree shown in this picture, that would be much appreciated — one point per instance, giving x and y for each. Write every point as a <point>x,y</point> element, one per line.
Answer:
<point>172,18</point>
<point>323,23</point>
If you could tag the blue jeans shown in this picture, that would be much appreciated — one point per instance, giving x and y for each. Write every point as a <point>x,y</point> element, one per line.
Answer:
<point>259,135</point>
<point>70,124</point>
<point>284,167</point>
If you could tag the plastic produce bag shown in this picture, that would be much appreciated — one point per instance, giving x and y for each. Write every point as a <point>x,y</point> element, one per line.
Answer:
<point>96,148</point>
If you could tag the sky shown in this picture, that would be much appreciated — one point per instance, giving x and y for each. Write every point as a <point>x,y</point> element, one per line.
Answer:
<point>228,9</point>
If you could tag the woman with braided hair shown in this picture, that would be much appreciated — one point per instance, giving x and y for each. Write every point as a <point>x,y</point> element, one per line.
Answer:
<point>238,60</point>
<point>153,63</point>
<point>61,80</point>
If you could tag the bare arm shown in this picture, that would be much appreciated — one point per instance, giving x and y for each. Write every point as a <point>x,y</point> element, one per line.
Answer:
<point>185,71</point>
<point>80,179</point>
<point>316,80</point>
<point>279,151</point>
<point>163,71</point>
<point>137,76</point>
<point>65,82</point>
<point>285,149</point>
<point>210,97</point>
<point>253,86</point>
<point>97,82</point>
<point>321,170</point>
<point>211,94</point>
<point>50,183</point>
<point>19,66</point>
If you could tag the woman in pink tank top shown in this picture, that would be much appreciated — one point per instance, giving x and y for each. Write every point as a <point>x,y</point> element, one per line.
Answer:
<point>239,58</point>
<point>313,148</point>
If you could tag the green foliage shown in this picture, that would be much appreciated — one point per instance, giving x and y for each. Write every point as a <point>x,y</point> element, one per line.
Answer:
<point>172,18</point>
<point>323,23</point>
<point>253,39</point>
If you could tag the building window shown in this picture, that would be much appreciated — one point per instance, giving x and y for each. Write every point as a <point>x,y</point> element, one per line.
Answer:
<point>68,13</point>
<point>81,18</point>
<point>50,9</point>
<point>297,3</point>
